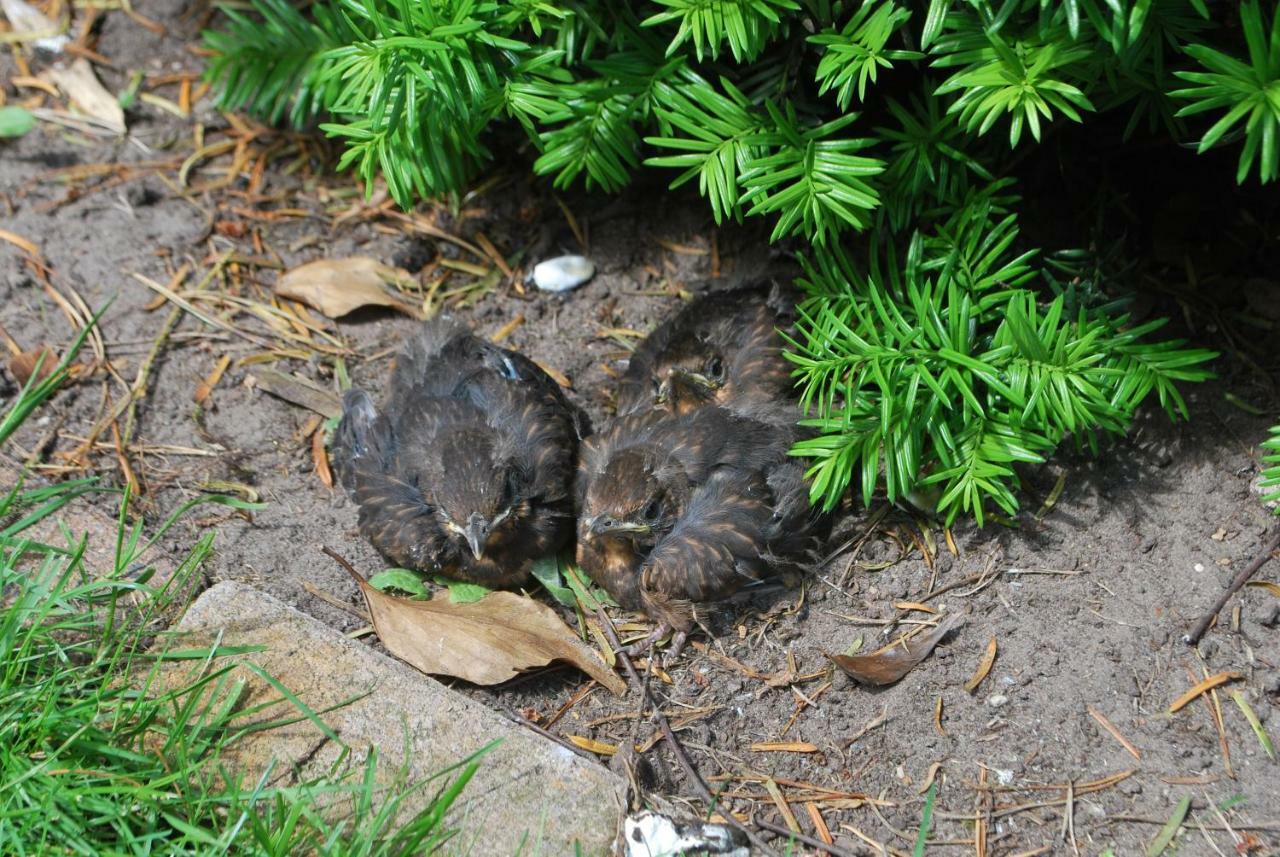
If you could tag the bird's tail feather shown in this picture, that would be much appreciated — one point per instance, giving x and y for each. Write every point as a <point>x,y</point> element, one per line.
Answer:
<point>357,438</point>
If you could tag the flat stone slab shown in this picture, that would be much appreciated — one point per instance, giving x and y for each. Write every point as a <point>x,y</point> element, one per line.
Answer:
<point>530,796</point>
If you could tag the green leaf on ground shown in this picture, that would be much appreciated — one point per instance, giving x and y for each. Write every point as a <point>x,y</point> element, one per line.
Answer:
<point>461,592</point>
<point>547,572</point>
<point>1165,837</point>
<point>15,121</point>
<point>402,580</point>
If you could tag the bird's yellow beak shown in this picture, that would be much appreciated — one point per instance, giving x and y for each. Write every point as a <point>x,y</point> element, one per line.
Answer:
<point>680,384</point>
<point>604,525</point>
<point>477,533</point>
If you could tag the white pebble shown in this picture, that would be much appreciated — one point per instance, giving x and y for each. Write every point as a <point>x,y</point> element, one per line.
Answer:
<point>998,700</point>
<point>1199,566</point>
<point>563,273</point>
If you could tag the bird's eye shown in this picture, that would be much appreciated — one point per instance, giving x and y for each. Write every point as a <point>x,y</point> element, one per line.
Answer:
<point>715,368</point>
<point>653,510</point>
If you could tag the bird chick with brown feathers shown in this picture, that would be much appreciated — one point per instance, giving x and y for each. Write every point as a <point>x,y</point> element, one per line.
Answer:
<point>468,469</point>
<point>679,510</point>
<point>722,348</point>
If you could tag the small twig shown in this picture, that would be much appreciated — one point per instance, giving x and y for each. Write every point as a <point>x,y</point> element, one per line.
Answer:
<point>1238,581</point>
<point>515,717</point>
<point>317,592</point>
<point>1069,818</point>
<point>342,561</point>
<point>644,697</point>
<point>811,841</point>
<point>139,388</point>
<point>879,720</point>
<point>699,784</point>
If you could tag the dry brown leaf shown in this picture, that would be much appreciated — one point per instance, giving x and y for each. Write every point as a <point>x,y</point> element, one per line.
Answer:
<point>784,747</point>
<point>298,391</point>
<point>887,665</point>
<point>23,366</point>
<point>1114,732</point>
<point>984,667</point>
<point>87,93</point>
<point>205,389</point>
<point>591,745</point>
<point>336,287</point>
<point>24,244</point>
<point>320,457</point>
<point>30,24</point>
<point>1203,687</point>
<point>1273,588</point>
<point>484,642</point>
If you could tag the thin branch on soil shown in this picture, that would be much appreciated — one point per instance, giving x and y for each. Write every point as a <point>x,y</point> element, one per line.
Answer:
<point>682,757</point>
<point>879,720</point>
<point>514,716</point>
<point>139,388</point>
<point>811,841</point>
<point>1238,581</point>
<point>317,592</point>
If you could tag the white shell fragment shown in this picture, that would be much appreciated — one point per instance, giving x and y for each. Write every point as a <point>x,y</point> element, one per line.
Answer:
<point>29,23</point>
<point>563,273</point>
<point>650,834</point>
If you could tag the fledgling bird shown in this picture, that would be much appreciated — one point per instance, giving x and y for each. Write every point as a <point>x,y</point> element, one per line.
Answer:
<point>722,348</point>
<point>468,470</point>
<point>680,510</point>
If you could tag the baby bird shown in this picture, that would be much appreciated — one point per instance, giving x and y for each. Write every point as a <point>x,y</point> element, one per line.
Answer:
<point>468,470</point>
<point>678,510</point>
<point>722,348</point>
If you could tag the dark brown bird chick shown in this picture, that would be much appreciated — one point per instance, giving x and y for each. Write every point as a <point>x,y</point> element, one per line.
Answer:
<point>678,510</point>
<point>468,470</point>
<point>722,348</point>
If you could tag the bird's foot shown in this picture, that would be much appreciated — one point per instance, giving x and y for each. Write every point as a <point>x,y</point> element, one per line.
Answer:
<point>641,647</point>
<point>678,640</point>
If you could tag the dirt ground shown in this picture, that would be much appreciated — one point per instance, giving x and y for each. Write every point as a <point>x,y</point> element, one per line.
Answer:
<point>1086,597</point>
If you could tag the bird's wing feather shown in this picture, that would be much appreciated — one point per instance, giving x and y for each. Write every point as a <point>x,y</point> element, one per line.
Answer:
<point>422,364</point>
<point>715,548</point>
<point>363,439</point>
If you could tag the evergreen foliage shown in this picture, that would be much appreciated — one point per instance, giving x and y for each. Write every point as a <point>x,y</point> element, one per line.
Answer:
<point>933,347</point>
<point>1271,473</point>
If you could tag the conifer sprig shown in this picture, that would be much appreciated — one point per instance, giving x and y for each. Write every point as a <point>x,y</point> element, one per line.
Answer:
<point>950,354</point>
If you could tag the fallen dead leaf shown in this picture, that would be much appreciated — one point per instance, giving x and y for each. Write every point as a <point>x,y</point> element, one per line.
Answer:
<point>484,642</point>
<point>24,244</point>
<point>298,391</point>
<point>1114,732</point>
<point>984,667</point>
<point>1203,687</point>
<point>30,24</point>
<point>86,92</point>
<point>320,458</point>
<point>887,665</point>
<point>784,747</point>
<point>205,389</point>
<point>556,375</point>
<point>1273,588</point>
<point>23,366</point>
<point>336,287</point>
<point>591,745</point>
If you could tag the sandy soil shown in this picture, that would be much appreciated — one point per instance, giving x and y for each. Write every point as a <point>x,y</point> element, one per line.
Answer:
<point>1086,599</point>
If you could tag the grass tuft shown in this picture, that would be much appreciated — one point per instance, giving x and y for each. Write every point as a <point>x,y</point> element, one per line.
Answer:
<point>96,759</point>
